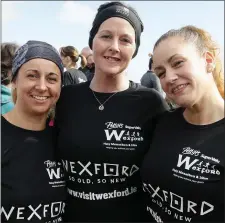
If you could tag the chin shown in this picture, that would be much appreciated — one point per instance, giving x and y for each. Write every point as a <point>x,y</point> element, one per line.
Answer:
<point>40,111</point>
<point>185,103</point>
<point>113,72</point>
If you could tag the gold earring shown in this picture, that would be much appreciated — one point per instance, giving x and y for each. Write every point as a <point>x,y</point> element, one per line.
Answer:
<point>210,68</point>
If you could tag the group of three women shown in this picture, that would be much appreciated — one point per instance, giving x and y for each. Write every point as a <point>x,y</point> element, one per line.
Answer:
<point>115,149</point>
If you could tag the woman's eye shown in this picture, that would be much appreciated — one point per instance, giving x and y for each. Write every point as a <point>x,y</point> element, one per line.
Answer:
<point>32,75</point>
<point>161,75</point>
<point>177,63</point>
<point>126,40</point>
<point>52,79</point>
<point>106,36</point>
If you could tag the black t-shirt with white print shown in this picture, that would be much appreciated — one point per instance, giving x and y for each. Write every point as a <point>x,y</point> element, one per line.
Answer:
<point>102,151</point>
<point>183,172</point>
<point>32,181</point>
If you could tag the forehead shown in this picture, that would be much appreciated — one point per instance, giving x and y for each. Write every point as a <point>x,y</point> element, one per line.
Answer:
<point>118,25</point>
<point>40,64</point>
<point>171,46</point>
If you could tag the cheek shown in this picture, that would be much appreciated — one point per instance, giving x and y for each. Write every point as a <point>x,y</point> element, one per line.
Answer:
<point>164,85</point>
<point>24,89</point>
<point>96,47</point>
<point>129,53</point>
<point>55,91</point>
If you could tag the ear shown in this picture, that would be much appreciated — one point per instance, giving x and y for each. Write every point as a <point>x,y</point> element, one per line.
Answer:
<point>13,84</point>
<point>209,57</point>
<point>68,59</point>
<point>210,62</point>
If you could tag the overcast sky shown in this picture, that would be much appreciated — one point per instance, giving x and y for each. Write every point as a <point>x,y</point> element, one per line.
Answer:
<point>62,23</point>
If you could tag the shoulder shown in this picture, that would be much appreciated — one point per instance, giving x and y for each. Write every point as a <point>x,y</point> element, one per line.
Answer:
<point>171,117</point>
<point>145,77</point>
<point>74,71</point>
<point>77,73</point>
<point>152,98</point>
<point>145,91</point>
<point>75,88</point>
<point>71,92</point>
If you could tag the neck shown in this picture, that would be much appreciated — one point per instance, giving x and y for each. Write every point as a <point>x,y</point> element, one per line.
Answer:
<point>71,66</point>
<point>9,85</point>
<point>26,121</point>
<point>208,110</point>
<point>109,84</point>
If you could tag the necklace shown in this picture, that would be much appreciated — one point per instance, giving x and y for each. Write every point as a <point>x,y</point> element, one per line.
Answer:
<point>101,105</point>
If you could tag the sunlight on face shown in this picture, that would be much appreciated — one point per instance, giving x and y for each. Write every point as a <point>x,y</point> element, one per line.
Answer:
<point>38,86</point>
<point>181,69</point>
<point>113,46</point>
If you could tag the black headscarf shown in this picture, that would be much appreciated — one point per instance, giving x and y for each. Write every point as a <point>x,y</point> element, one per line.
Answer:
<point>35,49</point>
<point>118,10</point>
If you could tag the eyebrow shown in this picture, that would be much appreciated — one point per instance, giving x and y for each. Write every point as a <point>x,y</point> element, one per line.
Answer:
<point>109,31</point>
<point>104,30</point>
<point>36,71</point>
<point>169,61</point>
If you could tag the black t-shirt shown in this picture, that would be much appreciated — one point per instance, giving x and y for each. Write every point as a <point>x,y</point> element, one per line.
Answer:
<point>32,181</point>
<point>102,150</point>
<point>183,172</point>
<point>73,76</point>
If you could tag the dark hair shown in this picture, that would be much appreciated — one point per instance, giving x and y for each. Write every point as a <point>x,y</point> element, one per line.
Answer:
<point>73,53</point>
<point>203,42</point>
<point>108,10</point>
<point>108,4</point>
<point>7,53</point>
<point>150,62</point>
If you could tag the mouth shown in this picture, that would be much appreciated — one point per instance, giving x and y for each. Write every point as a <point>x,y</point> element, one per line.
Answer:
<point>112,59</point>
<point>179,88</point>
<point>40,98</point>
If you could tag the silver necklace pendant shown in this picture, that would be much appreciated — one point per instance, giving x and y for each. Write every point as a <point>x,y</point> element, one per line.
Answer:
<point>101,107</point>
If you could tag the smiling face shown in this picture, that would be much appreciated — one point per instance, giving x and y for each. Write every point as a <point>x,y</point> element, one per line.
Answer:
<point>182,71</point>
<point>38,86</point>
<point>113,46</point>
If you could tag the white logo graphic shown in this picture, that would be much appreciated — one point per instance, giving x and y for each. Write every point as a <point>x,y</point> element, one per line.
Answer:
<point>41,211</point>
<point>55,173</point>
<point>81,80</point>
<point>120,132</point>
<point>115,134</point>
<point>176,202</point>
<point>123,10</point>
<point>197,165</point>
<point>188,150</point>
<point>91,169</point>
<point>186,161</point>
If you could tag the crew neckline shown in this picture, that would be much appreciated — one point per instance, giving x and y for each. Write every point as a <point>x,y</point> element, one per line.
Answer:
<point>132,86</point>
<point>195,126</point>
<point>4,120</point>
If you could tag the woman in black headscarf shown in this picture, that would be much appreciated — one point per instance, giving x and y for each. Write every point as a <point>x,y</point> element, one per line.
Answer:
<point>32,183</point>
<point>105,126</point>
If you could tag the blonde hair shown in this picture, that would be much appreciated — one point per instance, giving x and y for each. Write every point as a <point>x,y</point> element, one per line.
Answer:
<point>73,53</point>
<point>203,42</point>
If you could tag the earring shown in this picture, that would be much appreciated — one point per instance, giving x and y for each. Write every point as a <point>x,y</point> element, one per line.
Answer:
<point>210,68</point>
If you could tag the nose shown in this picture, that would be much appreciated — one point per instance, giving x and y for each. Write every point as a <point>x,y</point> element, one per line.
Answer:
<point>114,45</point>
<point>41,85</point>
<point>171,77</point>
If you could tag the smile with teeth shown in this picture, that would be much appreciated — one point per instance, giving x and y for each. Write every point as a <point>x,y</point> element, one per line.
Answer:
<point>112,59</point>
<point>179,88</point>
<point>40,98</point>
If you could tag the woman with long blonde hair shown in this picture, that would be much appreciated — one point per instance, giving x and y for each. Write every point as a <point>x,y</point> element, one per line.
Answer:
<point>183,172</point>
